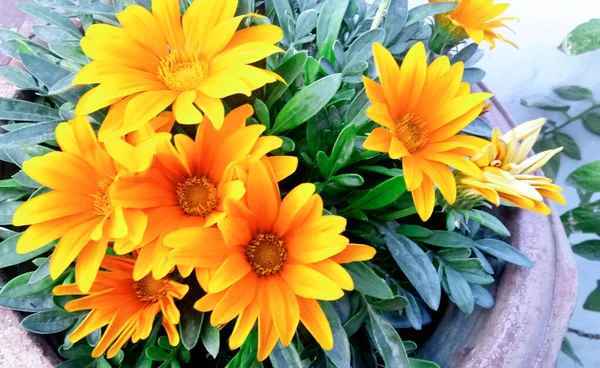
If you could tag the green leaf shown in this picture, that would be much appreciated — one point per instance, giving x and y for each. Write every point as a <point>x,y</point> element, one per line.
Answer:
<point>387,341</point>
<point>210,338</point>
<point>45,71</point>
<point>567,348</point>
<point>413,313</point>
<point>18,77</point>
<point>382,195</point>
<point>473,75</point>
<point>50,16</point>
<point>285,356</point>
<point>482,297</point>
<point>459,291</point>
<point>7,210</point>
<point>289,71</point>
<point>340,354</point>
<point>413,231</point>
<point>573,93</point>
<point>415,265</point>
<point>18,295</point>
<point>361,49</point>
<point>354,323</point>
<point>465,53</point>
<point>11,194</point>
<point>500,249</point>
<point>51,34</point>
<point>328,26</point>
<point>571,148</point>
<point>551,167</point>
<point>586,177</point>
<point>49,322</point>
<point>488,220</point>
<point>284,10</point>
<point>418,363</point>
<point>545,106</point>
<point>479,127</point>
<point>398,303</point>
<point>357,110</point>
<point>591,122</point>
<point>155,353</point>
<point>323,164</point>
<point>342,149</point>
<point>306,103</point>
<point>348,180</point>
<point>246,356</point>
<point>468,265</point>
<point>306,22</point>
<point>367,281</point>
<point>28,135</point>
<point>25,180</point>
<point>592,303</point>
<point>447,239</point>
<point>454,254</point>
<point>584,38</point>
<point>163,342</point>
<point>42,271</point>
<point>120,5</point>
<point>62,85</point>
<point>395,19</point>
<point>419,13</point>
<point>70,52</point>
<point>76,351</point>
<point>589,249</point>
<point>392,172</point>
<point>262,113</point>
<point>190,324</point>
<point>20,110</point>
<point>583,219</point>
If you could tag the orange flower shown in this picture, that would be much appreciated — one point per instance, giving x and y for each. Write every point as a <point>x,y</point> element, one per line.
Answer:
<point>127,306</point>
<point>270,260</point>
<point>422,109</point>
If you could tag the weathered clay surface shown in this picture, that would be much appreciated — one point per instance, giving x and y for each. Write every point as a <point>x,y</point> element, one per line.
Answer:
<point>533,306</point>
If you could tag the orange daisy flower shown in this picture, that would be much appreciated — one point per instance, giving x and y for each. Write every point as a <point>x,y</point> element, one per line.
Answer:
<point>421,110</point>
<point>127,307</point>
<point>271,260</point>
<point>188,183</point>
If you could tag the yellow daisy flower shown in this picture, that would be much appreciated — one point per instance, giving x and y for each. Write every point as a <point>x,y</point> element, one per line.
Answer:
<point>187,184</point>
<point>508,174</point>
<point>163,58</point>
<point>79,210</point>
<point>274,260</point>
<point>421,110</point>
<point>127,307</point>
<point>476,19</point>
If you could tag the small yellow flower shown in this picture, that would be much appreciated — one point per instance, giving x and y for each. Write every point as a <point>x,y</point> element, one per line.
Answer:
<point>476,19</point>
<point>422,109</point>
<point>127,306</point>
<point>508,172</point>
<point>163,58</point>
<point>188,183</point>
<point>79,210</point>
<point>274,260</point>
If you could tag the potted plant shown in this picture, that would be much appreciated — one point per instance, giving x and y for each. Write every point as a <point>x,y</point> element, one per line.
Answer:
<point>158,229</point>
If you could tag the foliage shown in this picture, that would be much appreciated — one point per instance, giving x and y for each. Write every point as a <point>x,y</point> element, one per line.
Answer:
<point>584,38</point>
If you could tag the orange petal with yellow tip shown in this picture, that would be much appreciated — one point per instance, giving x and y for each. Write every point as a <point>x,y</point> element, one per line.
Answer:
<point>354,253</point>
<point>379,140</point>
<point>283,306</point>
<point>308,283</point>
<point>291,204</point>
<point>424,199</point>
<point>315,321</point>
<point>234,268</point>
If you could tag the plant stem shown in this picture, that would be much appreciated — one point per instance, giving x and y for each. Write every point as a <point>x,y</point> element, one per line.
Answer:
<point>380,11</point>
<point>572,119</point>
<point>584,334</point>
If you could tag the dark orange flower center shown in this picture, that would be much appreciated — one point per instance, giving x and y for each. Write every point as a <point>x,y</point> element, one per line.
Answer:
<point>150,290</point>
<point>266,254</point>
<point>102,203</point>
<point>183,71</point>
<point>410,130</point>
<point>197,196</point>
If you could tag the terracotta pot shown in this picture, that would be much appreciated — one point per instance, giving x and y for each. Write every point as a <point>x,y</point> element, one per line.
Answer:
<point>533,306</point>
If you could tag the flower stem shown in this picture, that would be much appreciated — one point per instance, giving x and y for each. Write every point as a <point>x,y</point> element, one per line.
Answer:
<point>572,119</point>
<point>380,12</point>
<point>584,334</point>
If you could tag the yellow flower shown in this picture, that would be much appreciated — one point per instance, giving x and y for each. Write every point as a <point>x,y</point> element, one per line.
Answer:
<point>274,260</point>
<point>508,172</point>
<point>422,109</point>
<point>79,210</point>
<point>477,18</point>
<point>128,307</point>
<point>162,58</point>
<point>187,184</point>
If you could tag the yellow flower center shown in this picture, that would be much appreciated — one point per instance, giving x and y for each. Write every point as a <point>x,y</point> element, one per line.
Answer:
<point>410,130</point>
<point>183,71</point>
<point>102,203</point>
<point>197,196</point>
<point>150,290</point>
<point>266,254</point>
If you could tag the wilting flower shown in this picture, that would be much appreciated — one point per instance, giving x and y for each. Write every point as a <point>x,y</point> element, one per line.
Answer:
<point>188,183</point>
<point>475,19</point>
<point>127,306</point>
<point>271,260</point>
<point>421,110</point>
<point>508,172</point>
<point>79,210</point>
<point>162,58</point>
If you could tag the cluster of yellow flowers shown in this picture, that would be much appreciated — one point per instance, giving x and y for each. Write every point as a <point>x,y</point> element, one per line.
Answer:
<point>211,205</point>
